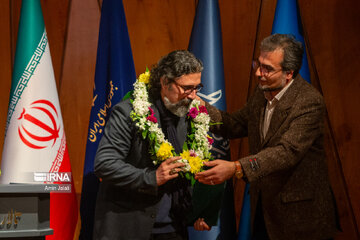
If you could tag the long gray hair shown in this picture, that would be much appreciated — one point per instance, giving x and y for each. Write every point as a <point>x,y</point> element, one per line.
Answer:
<point>172,66</point>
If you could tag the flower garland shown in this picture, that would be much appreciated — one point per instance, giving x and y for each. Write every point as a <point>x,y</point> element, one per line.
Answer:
<point>198,143</point>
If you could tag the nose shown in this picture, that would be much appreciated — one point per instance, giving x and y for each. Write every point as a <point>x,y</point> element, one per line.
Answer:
<point>258,72</point>
<point>192,95</point>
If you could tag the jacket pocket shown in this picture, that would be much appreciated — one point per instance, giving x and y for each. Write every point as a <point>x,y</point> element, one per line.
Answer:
<point>296,196</point>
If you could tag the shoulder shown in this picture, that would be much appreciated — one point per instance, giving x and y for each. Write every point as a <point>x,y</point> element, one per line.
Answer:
<point>123,106</point>
<point>307,92</point>
<point>120,113</point>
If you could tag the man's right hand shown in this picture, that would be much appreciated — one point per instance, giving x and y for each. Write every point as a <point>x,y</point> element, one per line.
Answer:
<point>220,171</point>
<point>168,170</point>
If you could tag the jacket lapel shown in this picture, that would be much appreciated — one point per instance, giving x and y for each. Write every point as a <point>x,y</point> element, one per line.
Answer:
<point>281,111</point>
<point>256,120</point>
<point>260,123</point>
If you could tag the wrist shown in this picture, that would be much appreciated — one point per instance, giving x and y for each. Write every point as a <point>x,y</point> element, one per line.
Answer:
<point>238,170</point>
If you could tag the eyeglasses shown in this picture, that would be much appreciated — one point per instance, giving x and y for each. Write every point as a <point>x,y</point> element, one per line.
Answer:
<point>265,70</point>
<point>189,89</point>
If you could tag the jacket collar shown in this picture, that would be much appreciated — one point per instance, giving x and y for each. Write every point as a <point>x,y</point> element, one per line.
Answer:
<point>282,109</point>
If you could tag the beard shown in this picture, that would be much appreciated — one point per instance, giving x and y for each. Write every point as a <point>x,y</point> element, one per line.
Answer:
<point>267,88</point>
<point>180,108</point>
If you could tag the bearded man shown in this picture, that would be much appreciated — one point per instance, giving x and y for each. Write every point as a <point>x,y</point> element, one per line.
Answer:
<point>136,199</point>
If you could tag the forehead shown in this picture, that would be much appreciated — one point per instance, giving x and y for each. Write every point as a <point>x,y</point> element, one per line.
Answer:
<point>273,58</point>
<point>189,79</point>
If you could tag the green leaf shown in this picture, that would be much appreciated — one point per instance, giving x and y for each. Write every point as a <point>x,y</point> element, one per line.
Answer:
<point>193,181</point>
<point>128,95</point>
<point>152,136</point>
<point>156,146</point>
<point>144,133</point>
<point>191,136</point>
<point>215,123</point>
<point>185,147</point>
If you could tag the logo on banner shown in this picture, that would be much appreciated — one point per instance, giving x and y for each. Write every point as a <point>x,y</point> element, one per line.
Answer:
<point>212,98</point>
<point>39,127</point>
<point>52,177</point>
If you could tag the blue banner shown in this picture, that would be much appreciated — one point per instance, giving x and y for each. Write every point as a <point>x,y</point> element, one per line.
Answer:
<point>206,44</point>
<point>287,21</point>
<point>114,76</point>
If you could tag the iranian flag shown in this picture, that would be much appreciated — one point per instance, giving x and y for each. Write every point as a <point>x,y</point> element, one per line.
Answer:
<point>35,139</point>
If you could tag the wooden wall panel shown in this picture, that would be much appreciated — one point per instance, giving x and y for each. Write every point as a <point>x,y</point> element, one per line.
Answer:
<point>15,8</point>
<point>77,80</point>
<point>334,50</point>
<point>156,28</point>
<point>5,66</point>
<point>56,21</point>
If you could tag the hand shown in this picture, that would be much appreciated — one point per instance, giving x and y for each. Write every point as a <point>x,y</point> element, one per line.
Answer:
<point>201,225</point>
<point>221,170</point>
<point>202,102</point>
<point>168,170</point>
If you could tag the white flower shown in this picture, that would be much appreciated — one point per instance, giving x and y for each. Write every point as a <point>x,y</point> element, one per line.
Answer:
<point>194,103</point>
<point>187,166</point>
<point>202,118</point>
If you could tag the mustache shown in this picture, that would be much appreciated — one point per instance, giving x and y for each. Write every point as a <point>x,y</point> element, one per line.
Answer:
<point>266,88</point>
<point>184,102</point>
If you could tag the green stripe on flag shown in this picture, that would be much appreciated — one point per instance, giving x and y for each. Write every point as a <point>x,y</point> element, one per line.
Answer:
<point>31,43</point>
<point>31,28</point>
<point>25,77</point>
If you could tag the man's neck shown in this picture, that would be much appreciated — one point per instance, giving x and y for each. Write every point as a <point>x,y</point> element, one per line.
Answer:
<point>270,95</point>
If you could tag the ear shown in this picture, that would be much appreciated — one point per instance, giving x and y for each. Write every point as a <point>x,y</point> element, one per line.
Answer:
<point>289,74</point>
<point>163,82</point>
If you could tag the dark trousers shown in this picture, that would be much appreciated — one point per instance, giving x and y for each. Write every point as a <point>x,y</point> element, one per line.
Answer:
<point>259,231</point>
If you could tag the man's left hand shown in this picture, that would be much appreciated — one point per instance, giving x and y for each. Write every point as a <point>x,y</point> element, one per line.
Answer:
<point>201,225</point>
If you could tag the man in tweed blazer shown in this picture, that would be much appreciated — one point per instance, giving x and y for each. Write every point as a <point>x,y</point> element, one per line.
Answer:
<point>290,193</point>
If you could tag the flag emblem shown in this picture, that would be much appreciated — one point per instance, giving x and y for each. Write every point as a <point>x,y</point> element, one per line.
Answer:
<point>39,125</point>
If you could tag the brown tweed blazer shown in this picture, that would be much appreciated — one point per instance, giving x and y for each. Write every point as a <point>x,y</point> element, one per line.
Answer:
<point>288,167</point>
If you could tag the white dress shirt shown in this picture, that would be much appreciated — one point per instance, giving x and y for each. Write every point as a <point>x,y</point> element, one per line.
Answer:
<point>270,106</point>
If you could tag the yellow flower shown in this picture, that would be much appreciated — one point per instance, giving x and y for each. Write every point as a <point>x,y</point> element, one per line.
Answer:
<point>164,151</point>
<point>185,155</point>
<point>195,162</point>
<point>144,77</point>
